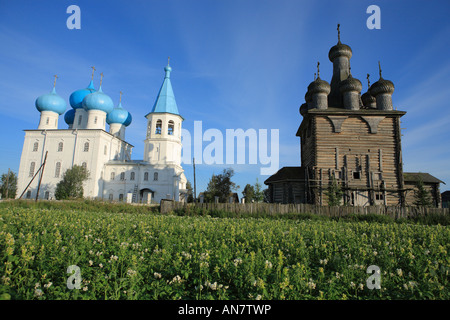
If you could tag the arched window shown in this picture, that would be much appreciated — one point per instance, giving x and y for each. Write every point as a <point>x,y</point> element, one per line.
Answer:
<point>111,197</point>
<point>84,165</point>
<point>158,127</point>
<point>122,176</point>
<point>86,146</point>
<point>105,150</point>
<point>113,175</point>
<point>170,128</point>
<point>132,176</point>
<point>155,176</point>
<point>60,147</point>
<point>35,146</point>
<point>32,166</point>
<point>79,120</point>
<point>57,169</point>
<point>149,129</point>
<point>146,176</point>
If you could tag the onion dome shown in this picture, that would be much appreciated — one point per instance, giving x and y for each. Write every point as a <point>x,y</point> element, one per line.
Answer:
<point>319,86</point>
<point>98,101</point>
<point>76,98</point>
<point>69,116</point>
<point>128,121</point>
<point>350,84</point>
<point>339,49</point>
<point>51,102</point>
<point>118,115</point>
<point>303,109</point>
<point>368,99</point>
<point>381,86</point>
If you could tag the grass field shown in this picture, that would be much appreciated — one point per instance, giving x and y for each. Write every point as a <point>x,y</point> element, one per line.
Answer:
<point>126,252</point>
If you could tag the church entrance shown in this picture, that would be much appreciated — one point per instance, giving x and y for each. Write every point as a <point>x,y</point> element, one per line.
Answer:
<point>146,195</point>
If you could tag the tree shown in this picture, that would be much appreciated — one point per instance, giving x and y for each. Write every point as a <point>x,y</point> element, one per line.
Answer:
<point>422,196</point>
<point>259,193</point>
<point>71,184</point>
<point>266,193</point>
<point>220,186</point>
<point>8,188</point>
<point>249,193</point>
<point>190,196</point>
<point>334,193</point>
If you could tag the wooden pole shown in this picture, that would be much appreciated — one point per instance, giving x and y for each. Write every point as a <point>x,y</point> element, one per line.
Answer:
<point>40,178</point>
<point>195,185</point>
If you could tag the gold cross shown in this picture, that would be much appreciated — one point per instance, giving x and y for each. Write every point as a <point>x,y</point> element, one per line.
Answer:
<point>168,60</point>
<point>120,97</point>
<point>93,69</point>
<point>54,82</point>
<point>101,78</point>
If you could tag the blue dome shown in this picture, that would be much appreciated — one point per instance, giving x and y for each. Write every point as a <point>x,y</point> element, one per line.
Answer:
<point>51,102</point>
<point>69,116</point>
<point>128,121</point>
<point>98,101</point>
<point>118,115</point>
<point>76,98</point>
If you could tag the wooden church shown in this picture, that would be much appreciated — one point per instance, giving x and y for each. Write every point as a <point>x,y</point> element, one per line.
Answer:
<point>352,138</point>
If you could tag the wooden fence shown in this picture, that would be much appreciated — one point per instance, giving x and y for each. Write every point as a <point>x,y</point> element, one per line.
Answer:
<point>278,208</point>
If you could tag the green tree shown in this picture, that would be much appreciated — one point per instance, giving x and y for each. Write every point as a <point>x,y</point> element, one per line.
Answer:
<point>334,193</point>
<point>190,193</point>
<point>422,196</point>
<point>249,193</point>
<point>220,186</point>
<point>8,188</point>
<point>71,184</point>
<point>259,193</point>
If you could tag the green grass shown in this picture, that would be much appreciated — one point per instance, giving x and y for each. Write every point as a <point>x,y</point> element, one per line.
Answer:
<point>139,254</point>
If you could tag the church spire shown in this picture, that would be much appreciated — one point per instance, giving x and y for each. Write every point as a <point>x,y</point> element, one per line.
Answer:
<point>165,101</point>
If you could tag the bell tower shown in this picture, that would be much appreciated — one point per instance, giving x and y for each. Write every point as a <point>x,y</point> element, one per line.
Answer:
<point>163,138</point>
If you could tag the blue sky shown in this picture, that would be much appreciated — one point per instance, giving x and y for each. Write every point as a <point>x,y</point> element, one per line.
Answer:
<point>236,64</point>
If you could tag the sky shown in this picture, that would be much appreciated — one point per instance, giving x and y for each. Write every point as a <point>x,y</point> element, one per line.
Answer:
<point>236,64</point>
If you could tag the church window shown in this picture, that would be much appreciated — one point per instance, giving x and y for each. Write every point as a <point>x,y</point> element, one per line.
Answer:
<point>28,194</point>
<point>356,175</point>
<point>46,195</point>
<point>35,146</point>
<point>79,120</point>
<point>121,197</point>
<point>113,175</point>
<point>111,197</point>
<point>132,174</point>
<point>84,165</point>
<point>170,129</point>
<point>155,176</point>
<point>149,128</point>
<point>57,169</point>
<point>379,196</point>
<point>158,127</point>
<point>86,146</point>
<point>122,176</point>
<point>60,147</point>
<point>146,176</point>
<point>32,166</point>
<point>105,150</point>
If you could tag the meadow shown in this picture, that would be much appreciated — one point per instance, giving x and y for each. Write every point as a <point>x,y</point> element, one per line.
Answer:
<point>125,252</point>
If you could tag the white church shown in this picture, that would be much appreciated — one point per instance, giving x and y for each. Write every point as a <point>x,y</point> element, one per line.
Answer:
<point>104,153</point>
